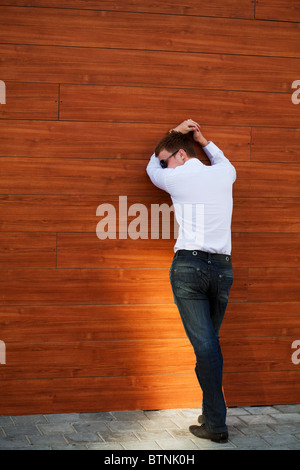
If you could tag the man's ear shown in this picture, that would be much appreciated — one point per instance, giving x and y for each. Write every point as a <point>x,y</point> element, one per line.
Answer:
<point>183,155</point>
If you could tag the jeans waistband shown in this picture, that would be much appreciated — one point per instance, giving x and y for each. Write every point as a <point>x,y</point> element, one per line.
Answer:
<point>204,255</point>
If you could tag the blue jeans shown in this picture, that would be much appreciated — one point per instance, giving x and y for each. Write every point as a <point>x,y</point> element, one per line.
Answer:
<point>201,283</point>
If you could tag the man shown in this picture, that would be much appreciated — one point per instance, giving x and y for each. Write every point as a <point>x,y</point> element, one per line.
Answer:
<point>201,271</point>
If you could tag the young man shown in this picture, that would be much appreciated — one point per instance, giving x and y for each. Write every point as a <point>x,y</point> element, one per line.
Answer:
<point>201,271</point>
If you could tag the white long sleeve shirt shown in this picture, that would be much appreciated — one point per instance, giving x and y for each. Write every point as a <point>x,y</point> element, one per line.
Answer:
<point>202,199</point>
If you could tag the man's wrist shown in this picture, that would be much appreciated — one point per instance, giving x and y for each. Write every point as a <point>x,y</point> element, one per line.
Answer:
<point>203,142</point>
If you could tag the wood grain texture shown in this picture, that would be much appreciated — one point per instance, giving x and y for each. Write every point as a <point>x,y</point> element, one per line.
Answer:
<point>87,177</point>
<point>77,323</point>
<point>59,139</point>
<point>102,103</point>
<point>277,10</point>
<point>142,31</point>
<point>232,8</point>
<point>27,250</point>
<point>136,358</point>
<point>78,213</point>
<point>90,286</point>
<point>121,67</point>
<point>84,250</point>
<point>89,324</point>
<point>30,101</point>
<point>265,283</point>
<point>275,145</point>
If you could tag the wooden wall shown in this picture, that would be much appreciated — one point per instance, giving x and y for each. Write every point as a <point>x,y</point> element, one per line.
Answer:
<point>92,85</point>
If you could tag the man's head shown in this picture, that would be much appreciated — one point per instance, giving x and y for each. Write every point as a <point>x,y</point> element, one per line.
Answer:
<point>175,149</point>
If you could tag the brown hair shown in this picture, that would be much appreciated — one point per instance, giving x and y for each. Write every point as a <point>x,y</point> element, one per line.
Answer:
<point>176,141</point>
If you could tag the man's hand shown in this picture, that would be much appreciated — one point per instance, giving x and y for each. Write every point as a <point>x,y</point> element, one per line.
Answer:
<point>187,126</point>
<point>199,138</point>
<point>192,126</point>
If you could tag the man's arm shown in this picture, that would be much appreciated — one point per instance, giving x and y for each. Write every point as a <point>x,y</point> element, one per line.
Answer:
<point>215,155</point>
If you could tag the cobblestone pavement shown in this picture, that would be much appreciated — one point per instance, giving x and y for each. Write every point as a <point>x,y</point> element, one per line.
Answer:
<point>250,428</point>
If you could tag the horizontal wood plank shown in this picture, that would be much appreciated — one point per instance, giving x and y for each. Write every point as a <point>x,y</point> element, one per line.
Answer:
<point>87,177</point>
<point>267,284</point>
<point>30,101</point>
<point>63,27</point>
<point>154,357</point>
<point>92,394</point>
<point>27,250</point>
<point>277,10</point>
<point>275,145</point>
<point>53,64</point>
<point>141,104</point>
<point>84,250</point>
<point>233,9</point>
<point>87,251</point>
<point>103,286</point>
<point>102,140</point>
<point>266,249</point>
<point>144,392</point>
<point>79,323</point>
<point>78,213</point>
<point>261,388</point>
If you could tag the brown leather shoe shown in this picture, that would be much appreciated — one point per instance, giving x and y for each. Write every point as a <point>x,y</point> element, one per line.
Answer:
<point>201,419</point>
<point>202,433</point>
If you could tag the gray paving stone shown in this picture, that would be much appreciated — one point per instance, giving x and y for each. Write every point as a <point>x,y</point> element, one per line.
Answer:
<point>129,415</point>
<point>47,440</point>
<point>142,445</point>
<point>268,427</point>
<point>250,443</point>
<point>287,441</point>
<point>287,408</point>
<point>258,419</point>
<point>96,426</point>
<point>177,444</point>
<point>62,418</point>
<point>287,417</point>
<point>82,437</point>
<point>101,416</point>
<point>55,428</point>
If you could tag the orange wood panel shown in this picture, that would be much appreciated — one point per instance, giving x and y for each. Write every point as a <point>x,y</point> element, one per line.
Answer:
<point>275,318</point>
<point>78,213</point>
<point>267,180</point>
<point>106,140</point>
<point>54,64</point>
<point>30,101</point>
<point>277,10</point>
<point>262,354</point>
<point>266,215</point>
<point>102,103</point>
<point>27,250</point>
<point>32,324</point>
<point>266,249</point>
<point>275,145</point>
<point>261,388</point>
<point>97,359</point>
<point>84,250</point>
<point>233,8</point>
<point>83,176</point>
<point>152,357</point>
<point>90,286</point>
<point>142,31</point>
<point>146,392</point>
<point>267,284</point>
